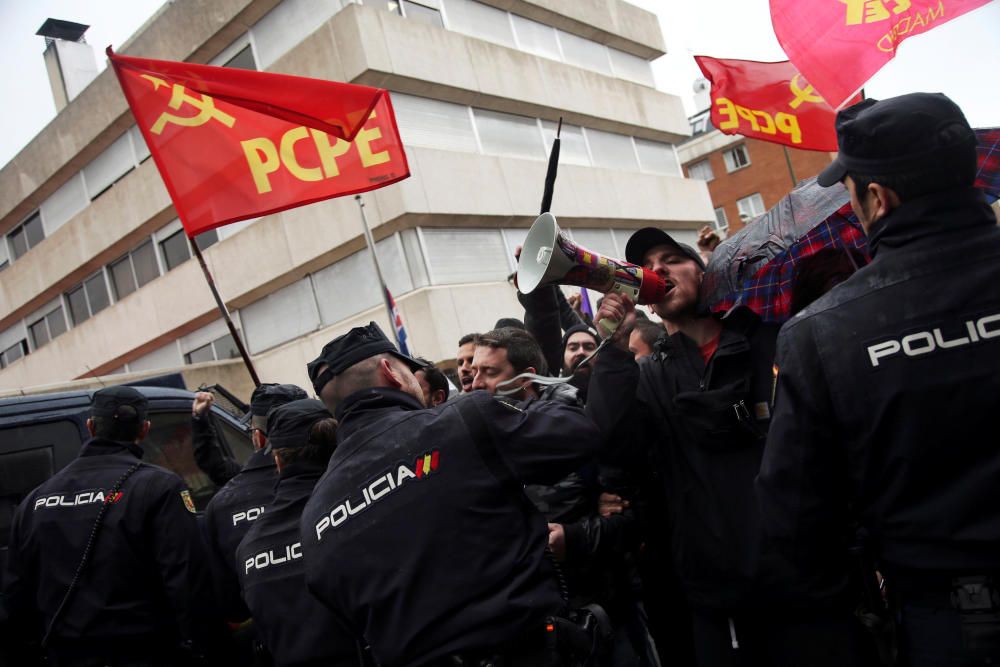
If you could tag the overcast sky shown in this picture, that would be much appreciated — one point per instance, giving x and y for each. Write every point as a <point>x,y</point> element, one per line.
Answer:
<point>959,58</point>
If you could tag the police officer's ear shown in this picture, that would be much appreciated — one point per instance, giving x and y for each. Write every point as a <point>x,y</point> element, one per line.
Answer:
<point>879,201</point>
<point>258,439</point>
<point>91,429</point>
<point>143,431</point>
<point>389,374</point>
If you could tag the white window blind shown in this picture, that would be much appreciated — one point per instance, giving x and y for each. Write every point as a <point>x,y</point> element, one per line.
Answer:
<point>657,157</point>
<point>479,20</point>
<point>109,166</point>
<point>750,206</point>
<point>535,37</point>
<point>465,255</point>
<point>350,286</point>
<point>426,122</point>
<point>64,203</point>
<point>631,68</point>
<point>613,151</point>
<point>584,53</point>
<point>281,316</point>
<point>598,240</point>
<point>287,24</point>
<point>139,147</point>
<point>721,221</point>
<point>167,356</point>
<point>701,170</point>
<point>346,288</point>
<point>509,135</point>
<point>414,258</point>
<point>572,146</point>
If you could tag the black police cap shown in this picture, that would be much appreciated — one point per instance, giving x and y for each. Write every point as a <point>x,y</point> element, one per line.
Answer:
<point>356,345</point>
<point>119,402</point>
<point>288,425</point>
<point>649,237</point>
<point>923,132</point>
<point>270,395</point>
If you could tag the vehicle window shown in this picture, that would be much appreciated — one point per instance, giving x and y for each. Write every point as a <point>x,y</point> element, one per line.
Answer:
<point>20,473</point>
<point>169,445</point>
<point>39,451</point>
<point>238,440</point>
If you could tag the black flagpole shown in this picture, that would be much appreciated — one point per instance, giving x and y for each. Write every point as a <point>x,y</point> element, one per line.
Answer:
<point>225,313</point>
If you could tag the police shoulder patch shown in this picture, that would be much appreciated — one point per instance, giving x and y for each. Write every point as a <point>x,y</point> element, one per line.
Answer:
<point>188,502</point>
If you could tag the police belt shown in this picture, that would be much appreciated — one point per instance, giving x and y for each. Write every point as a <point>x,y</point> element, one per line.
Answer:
<point>528,648</point>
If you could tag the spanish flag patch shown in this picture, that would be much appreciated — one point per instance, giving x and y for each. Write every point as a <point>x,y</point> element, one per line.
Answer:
<point>188,502</point>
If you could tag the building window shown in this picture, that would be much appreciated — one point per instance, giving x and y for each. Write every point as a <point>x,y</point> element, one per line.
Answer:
<point>701,170</point>
<point>736,158</point>
<point>220,348</point>
<point>88,298</point>
<point>176,250</point>
<point>721,221</point>
<point>133,270</point>
<point>242,60</point>
<point>48,327</point>
<point>507,134</point>
<point>750,207</point>
<point>26,235</point>
<point>422,13</point>
<point>13,353</point>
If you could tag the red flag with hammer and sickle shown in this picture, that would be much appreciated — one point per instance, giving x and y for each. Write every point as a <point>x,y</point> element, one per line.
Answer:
<point>768,101</point>
<point>232,144</point>
<point>840,44</point>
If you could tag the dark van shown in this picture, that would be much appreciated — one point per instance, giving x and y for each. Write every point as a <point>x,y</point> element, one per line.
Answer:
<point>40,434</point>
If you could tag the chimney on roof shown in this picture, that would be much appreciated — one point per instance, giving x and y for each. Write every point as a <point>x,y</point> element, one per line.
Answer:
<point>702,88</point>
<point>69,59</point>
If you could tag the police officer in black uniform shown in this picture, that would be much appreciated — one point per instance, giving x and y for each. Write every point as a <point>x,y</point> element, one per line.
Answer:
<point>105,561</point>
<point>888,390</point>
<point>297,629</point>
<point>232,511</point>
<point>419,534</point>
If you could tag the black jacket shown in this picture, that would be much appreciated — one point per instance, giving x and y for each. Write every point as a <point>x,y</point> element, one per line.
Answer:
<point>414,540</point>
<point>228,518</point>
<point>145,586</point>
<point>887,396</point>
<point>701,429</point>
<point>297,629</point>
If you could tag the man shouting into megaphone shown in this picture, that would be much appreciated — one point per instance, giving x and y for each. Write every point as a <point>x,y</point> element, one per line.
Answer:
<point>698,409</point>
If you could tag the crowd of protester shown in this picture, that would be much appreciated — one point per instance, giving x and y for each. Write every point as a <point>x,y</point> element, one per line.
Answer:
<point>683,488</point>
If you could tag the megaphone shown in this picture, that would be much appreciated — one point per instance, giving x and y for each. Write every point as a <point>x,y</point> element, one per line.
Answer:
<point>549,257</point>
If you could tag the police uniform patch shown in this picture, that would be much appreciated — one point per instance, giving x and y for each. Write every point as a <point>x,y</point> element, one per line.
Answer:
<point>188,502</point>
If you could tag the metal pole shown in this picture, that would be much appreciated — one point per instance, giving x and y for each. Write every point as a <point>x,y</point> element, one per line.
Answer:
<point>225,313</point>
<point>788,161</point>
<point>370,242</point>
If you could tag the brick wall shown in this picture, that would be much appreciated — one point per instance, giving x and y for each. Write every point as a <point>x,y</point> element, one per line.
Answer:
<point>767,174</point>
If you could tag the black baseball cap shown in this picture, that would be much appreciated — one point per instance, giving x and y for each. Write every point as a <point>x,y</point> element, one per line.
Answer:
<point>650,237</point>
<point>356,345</point>
<point>270,395</point>
<point>288,425</point>
<point>120,403</point>
<point>924,132</point>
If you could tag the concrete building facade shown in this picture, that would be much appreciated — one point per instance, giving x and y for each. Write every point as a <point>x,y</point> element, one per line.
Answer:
<point>96,276</point>
<point>745,176</point>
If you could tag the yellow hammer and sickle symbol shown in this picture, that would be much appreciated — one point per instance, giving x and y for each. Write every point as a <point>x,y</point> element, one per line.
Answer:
<point>806,94</point>
<point>179,96</point>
